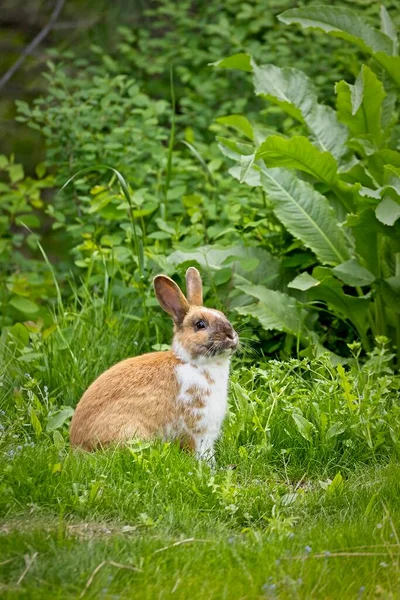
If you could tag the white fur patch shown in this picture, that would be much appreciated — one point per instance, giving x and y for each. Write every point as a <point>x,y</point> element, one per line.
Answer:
<point>180,352</point>
<point>188,375</point>
<point>209,375</point>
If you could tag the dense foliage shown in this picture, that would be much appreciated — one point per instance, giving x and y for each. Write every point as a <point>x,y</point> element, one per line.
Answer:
<point>155,121</point>
<point>342,203</point>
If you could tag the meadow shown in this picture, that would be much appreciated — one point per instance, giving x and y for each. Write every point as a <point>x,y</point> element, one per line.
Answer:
<point>262,146</point>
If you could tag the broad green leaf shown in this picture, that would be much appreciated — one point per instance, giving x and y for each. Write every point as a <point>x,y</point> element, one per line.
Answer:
<point>388,211</point>
<point>100,201</point>
<point>335,430</point>
<point>240,62</point>
<point>246,163</point>
<point>304,427</point>
<point>275,310</point>
<point>222,276</point>
<point>359,106</point>
<point>366,229</point>
<point>37,426</point>
<point>16,173</point>
<point>388,28</point>
<point>378,160</point>
<point>391,64</point>
<point>348,307</point>
<point>389,289</point>
<point>239,123</point>
<point>20,334</point>
<point>298,153</point>
<point>233,149</point>
<point>251,178</point>
<point>336,484</point>
<point>357,93</point>
<point>303,282</point>
<point>346,24</point>
<point>306,214</point>
<point>290,88</point>
<point>354,274</point>
<point>59,418</point>
<point>391,178</point>
<point>342,23</point>
<point>388,112</point>
<point>267,269</point>
<point>328,132</point>
<point>32,221</point>
<point>366,192</point>
<point>30,357</point>
<point>357,174</point>
<point>40,170</point>
<point>295,93</point>
<point>24,305</point>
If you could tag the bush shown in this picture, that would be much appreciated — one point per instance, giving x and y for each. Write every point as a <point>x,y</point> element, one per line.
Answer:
<point>334,185</point>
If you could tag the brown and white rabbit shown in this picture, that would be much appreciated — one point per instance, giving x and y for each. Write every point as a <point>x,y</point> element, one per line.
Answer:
<point>178,394</point>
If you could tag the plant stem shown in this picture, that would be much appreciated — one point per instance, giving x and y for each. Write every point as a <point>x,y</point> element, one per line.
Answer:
<point>170,148</point>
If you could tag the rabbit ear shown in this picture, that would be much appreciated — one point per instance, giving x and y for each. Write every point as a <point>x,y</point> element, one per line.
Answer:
<point>170,298</point>
<point>194,287</point>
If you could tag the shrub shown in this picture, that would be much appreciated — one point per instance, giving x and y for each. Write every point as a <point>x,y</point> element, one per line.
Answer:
<point>334,184</point>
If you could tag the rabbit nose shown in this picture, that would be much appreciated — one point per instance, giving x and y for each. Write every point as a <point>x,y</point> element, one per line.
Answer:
<point>230,336</point>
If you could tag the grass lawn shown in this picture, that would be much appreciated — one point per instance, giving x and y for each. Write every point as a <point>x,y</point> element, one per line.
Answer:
<point>158,525</point>
<point>303,503</point>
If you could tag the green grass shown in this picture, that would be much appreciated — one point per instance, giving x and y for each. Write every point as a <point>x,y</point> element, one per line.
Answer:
<point>303,502</point>
<point>193,533</point>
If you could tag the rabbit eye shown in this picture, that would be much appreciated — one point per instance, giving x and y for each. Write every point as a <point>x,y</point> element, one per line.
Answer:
<point>200,324</point>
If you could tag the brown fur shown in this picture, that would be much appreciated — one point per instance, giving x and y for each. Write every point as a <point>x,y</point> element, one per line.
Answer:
<point>194,287</point>
<point>135,398</point>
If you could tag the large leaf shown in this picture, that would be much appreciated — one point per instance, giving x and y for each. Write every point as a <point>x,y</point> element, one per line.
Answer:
<point>359,106</point>
<point>353,274</point>
<point>391,64</point>
<point>346,24</point>
<point>59,418</point>
<point>340,22</point>
<point>330,291</point>
<point>24,305</point>
<point>295,93</point>
<point>264,267</point>
<point>305,427</point>
<point>298,153</point>
<point>238,122</point>
<point>391,180</point>
<point>251,177</point>
<point>240,62</point>
<point>366,230</point>
<point>378,160</point>
<point>388,28</point>
<point>390,291</point>
<point>303,282</point>
<point>274,310</point>
<point>290,88</point>
<point>246,164</point>
<point>306,214</point>
<point>388,211</point>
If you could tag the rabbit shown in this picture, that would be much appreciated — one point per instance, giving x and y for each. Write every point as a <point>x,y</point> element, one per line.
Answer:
<point>179,394</point>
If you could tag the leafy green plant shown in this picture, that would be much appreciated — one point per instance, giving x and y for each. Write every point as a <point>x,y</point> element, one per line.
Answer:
<point>334,185</point>
<point>23,278</point>
<point>316,410</point>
